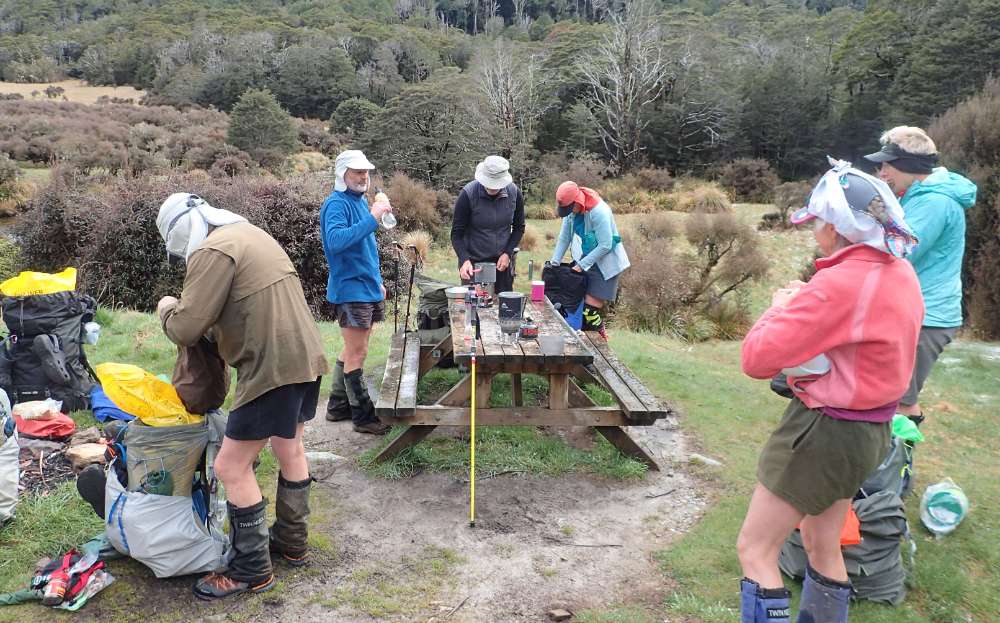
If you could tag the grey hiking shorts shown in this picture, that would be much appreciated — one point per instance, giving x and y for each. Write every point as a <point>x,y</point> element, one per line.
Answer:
<point>929,346</point>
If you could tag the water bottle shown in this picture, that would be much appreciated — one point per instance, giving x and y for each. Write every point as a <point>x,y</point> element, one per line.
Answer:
<point>388,219</point>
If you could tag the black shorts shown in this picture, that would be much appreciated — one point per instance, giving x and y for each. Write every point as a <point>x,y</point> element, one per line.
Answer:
<point>359,315</point>
<point>276,413</point>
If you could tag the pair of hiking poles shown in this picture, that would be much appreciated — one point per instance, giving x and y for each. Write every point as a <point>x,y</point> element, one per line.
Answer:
<point>399,247</point>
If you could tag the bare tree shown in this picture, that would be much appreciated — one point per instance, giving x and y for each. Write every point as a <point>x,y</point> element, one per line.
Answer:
<point>512,98</point>
<point>625,74</point>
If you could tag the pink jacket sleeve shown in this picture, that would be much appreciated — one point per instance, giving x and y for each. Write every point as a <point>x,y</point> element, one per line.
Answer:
<point>813,322</point>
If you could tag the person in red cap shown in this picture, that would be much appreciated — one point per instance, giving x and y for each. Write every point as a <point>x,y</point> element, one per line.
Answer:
<point>589,231</point>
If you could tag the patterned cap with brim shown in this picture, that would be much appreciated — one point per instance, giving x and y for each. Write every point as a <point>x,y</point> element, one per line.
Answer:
<point>861,208</point>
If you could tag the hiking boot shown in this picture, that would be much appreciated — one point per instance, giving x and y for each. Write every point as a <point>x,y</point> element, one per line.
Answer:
<point>290,531</point>
<point>362,408</point>
<point>374,427</point>
<point>249,566</point>
<point>338,407</point>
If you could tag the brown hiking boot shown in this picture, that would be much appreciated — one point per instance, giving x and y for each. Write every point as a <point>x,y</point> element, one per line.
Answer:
<point>374,427</point>
<point>249,566</point>
<point>218,586</point>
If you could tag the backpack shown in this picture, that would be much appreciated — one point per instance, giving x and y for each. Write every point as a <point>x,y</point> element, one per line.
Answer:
<point>566,289</point>
<point>43,356</point>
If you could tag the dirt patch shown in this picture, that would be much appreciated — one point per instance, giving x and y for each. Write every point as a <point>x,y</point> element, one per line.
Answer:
<point>404,550</point>
<point>575,542</point>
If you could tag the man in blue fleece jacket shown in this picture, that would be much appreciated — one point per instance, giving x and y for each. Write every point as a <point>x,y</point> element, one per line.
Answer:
<point>934,203</point>
<point>354,287</point>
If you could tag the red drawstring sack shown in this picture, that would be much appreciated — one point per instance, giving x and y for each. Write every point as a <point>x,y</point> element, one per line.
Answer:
<point>58,428</point>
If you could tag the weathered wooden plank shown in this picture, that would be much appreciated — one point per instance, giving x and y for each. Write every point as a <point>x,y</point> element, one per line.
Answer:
<point>406,397</point>
<point>653,404</point>
<point>458,395</point>
<point>558,391</point>
<point>430,356</point>
<point>410,437</point>
<point>621,440</point>
<point>516,390</point>
<point>484,389</point>
<point>489,335</point>
<point>578,397</point>
<point>385,406</point>
<point>517,416</point>
<point>619,389</point>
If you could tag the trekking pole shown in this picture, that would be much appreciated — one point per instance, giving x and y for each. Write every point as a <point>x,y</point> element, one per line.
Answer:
<point>395,297</point>
<point>409,290</point>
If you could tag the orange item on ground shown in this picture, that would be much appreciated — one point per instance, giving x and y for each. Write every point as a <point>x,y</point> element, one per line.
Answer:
<point>850,533</point>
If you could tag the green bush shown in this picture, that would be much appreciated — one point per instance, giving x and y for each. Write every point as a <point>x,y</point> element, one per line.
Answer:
<point>261,127</point>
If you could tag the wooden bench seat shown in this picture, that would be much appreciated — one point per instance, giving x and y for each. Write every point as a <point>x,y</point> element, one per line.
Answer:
<point>398,394</point>
<point>637,403</point>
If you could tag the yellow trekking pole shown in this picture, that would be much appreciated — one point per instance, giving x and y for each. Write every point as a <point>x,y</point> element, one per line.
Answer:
<point>472,446</point>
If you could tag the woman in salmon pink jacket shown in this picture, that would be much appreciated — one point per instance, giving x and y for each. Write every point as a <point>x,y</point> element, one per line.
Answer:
<point>847,341</point>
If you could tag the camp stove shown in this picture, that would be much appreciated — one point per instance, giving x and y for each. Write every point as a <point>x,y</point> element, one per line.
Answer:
<point>484,279</point>
<point>484,298</point>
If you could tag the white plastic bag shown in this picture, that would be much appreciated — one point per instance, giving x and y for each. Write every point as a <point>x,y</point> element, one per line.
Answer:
<point>38,409</point>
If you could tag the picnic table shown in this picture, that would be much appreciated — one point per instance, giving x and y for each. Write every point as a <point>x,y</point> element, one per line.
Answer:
<point>586,358</point>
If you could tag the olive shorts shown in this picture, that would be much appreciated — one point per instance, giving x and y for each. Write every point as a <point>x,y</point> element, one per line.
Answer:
<point>812,460</point>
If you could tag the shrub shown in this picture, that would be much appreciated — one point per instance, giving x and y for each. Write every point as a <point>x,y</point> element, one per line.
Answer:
<point>746,179</point>
<point>556,168</point>
<point>704,199</point>
<point>530,239</point>
<point>108,230</point>
<point>314,135</point>
<point>968,138</point>
<point>419,240</point>
<point>10,258</point>
<point>652,179</point>
<point>540,211</point>
<point>656,227</point>
<point>108,137</point>
<point>233,164</point>
<point>415,205</point>
<point>308,162</point>
<point>788,197</point>
<point>261,127</point>
<point>697,294</point>
<point>9,170</point>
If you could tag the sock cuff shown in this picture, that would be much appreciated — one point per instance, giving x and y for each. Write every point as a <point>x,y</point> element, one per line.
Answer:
<point>819,578</point>
<point>768,593</point>
<point>294,484</point>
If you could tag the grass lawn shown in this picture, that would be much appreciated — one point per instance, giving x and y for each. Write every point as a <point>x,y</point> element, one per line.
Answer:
<point>728,415</point>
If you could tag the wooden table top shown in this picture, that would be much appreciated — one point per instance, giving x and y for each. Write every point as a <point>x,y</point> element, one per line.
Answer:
<point>490,348</point>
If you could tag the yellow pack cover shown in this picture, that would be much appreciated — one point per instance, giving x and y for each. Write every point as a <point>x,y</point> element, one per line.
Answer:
<point>139,393</point>
<point>30,283</point>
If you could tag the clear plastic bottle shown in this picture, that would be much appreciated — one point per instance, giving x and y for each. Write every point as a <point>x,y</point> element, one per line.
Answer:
<point>388,219</point>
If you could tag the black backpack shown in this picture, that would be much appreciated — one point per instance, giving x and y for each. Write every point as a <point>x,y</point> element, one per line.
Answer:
<point>564,286</point>
<point>43,355</point>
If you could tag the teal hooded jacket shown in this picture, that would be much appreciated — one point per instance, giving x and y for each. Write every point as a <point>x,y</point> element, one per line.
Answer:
<point>935,211</point>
